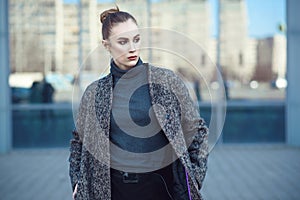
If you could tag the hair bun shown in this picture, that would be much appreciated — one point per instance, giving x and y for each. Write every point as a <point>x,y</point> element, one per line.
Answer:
<point>105,13</point>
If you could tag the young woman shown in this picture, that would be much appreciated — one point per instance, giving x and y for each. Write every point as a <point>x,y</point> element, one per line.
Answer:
<point>126,122</point>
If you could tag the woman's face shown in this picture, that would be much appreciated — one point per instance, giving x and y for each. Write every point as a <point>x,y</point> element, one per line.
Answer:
<point>123,44</point>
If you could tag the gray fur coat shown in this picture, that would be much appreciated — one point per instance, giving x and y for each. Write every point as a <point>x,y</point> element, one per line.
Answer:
<point>186,131</point>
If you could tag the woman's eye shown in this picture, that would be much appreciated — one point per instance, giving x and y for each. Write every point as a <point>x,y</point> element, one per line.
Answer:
<point>136,40</point>
<point>122,42</point>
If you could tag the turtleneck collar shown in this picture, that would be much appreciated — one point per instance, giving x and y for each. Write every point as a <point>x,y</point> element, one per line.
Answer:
<point>117,72</point>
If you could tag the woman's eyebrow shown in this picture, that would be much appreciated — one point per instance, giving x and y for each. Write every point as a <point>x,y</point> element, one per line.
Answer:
<point>125,38</point>
<point>122,38</point>
<point>136,36</point>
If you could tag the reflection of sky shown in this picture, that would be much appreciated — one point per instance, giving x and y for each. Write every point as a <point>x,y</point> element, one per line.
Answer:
<point>271,11</point>
<point>264,15</point>
<point>60,81</point>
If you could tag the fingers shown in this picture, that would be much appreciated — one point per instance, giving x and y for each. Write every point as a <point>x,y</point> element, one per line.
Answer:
<point>75,191</point>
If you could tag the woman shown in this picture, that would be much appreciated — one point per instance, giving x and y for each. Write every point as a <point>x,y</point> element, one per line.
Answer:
<point>127,120</point>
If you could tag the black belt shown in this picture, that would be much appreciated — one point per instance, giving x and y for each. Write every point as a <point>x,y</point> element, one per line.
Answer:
<point>129,177</point>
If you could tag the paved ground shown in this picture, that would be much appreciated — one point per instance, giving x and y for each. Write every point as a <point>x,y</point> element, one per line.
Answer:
<point>238,172</point>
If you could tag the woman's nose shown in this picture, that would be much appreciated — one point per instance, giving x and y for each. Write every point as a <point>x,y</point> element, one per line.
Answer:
<point>132,47</point>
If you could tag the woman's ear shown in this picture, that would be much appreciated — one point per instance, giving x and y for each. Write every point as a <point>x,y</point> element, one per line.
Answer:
<point>106,45</point>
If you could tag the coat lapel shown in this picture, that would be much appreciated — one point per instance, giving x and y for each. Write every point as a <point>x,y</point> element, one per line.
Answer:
<point>167,111</point>
<point>104,102</point>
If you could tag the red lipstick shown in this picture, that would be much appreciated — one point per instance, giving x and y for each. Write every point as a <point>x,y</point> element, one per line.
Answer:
<point>132,57</point>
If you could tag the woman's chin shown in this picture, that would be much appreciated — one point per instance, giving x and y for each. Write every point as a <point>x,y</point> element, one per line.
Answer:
<point>131,63</point>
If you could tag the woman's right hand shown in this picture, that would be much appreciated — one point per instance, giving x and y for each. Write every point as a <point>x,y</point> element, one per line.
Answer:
<point>75,191</point>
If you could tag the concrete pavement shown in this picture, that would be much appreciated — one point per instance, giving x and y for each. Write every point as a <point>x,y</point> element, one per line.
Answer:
<point>236,172</point>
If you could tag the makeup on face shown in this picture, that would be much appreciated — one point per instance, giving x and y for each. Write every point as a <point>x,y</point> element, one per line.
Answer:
<point>124,44</point>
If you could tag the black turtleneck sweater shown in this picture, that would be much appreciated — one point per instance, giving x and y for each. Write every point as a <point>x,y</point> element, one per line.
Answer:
<point>134,128</point>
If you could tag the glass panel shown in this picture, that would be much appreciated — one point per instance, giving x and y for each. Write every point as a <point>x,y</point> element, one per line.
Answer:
<point>56,43</point>
<point>44,127</point>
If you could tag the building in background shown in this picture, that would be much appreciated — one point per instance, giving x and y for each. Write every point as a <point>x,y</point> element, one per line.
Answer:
<point>237,50</point>
<point>191,20</point>
<point>36,35</point>
<point>53,36</point>
<point>80,34</point>
<point>271,58</point>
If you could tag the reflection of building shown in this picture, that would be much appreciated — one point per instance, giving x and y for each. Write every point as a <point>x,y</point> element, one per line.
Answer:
<point>80,30</point>
<point>271,58</point>
<point>36,35</point>
<point>53,36</point>
<point>63,29</point>
<point>237,50</point>
<point>192,20</point>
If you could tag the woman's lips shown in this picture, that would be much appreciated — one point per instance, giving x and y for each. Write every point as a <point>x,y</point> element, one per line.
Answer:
<point>132,57</point>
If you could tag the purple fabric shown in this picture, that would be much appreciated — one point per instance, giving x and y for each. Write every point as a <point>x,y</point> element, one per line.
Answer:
<point>188,185</point>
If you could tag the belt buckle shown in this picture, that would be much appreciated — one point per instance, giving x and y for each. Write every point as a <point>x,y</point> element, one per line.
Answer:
<point>130,178</point>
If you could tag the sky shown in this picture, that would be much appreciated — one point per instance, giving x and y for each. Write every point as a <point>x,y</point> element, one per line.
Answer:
<point>264,16</point>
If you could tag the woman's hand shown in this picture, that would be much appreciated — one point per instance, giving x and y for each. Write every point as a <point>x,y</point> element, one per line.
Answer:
<point>74,192</point>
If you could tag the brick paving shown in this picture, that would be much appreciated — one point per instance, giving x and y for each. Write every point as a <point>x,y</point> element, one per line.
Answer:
<point>253,172</point>
<point>238,172</point>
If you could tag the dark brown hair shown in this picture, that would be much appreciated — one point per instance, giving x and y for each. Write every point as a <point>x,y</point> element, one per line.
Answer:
<point>111,17</point>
